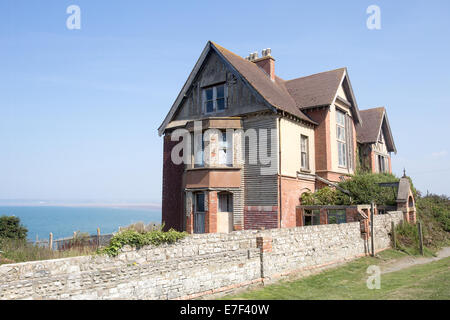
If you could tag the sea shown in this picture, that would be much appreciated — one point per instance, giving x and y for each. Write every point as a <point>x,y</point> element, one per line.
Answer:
<point>62,221</point>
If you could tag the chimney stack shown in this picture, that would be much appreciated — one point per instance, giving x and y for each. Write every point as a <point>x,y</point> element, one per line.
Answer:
<point>266,62</point>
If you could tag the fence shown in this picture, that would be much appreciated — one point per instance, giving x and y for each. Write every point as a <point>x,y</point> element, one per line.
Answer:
<point>77,241</point>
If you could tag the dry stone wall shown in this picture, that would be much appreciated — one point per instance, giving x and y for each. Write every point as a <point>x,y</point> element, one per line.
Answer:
<point>196,266</point>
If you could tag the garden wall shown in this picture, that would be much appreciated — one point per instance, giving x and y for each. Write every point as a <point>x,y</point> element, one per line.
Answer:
<point>196,266</point>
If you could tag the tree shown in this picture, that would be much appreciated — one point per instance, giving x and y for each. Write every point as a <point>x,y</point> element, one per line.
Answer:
<point>11,228</point>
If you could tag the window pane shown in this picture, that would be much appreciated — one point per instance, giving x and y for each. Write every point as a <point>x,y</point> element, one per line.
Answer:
<point>209,94</point>
<point>341,216</point>
<point>341,133</point>
<point>200,202</point>
<point>340,118</point>
<point>223,156</point>
<point>209,106</point>
<point>225,202</point>
<point>332,219</point>
<point>316,217</point>
<point>220,104</point>
<point>220,92</point>
<point>304,160</point>
<point>308,221</point>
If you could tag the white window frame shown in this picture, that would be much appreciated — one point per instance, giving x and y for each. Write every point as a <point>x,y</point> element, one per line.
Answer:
<point>304,149</point>
<point>341,143</point>
<point>214,98</point>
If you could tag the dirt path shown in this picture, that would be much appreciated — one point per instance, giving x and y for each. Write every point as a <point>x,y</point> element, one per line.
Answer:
<point>407,262</point>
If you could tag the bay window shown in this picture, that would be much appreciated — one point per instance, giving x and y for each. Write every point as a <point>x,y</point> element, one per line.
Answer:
<point>341,138</point>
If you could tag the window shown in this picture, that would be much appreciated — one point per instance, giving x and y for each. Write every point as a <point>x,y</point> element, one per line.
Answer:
<point>382,164</point>
<point>341,138</point>
<point>337,216</point>
<point>199,217</point>
<point>225,202</point>
<point>311,218</point>
<point>200,202</point>
<point>225,149</point>
<point>199,154</point>
<point>304,152</point>
<point>214,98</point>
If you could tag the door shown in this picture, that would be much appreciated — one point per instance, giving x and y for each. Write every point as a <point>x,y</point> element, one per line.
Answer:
<point>225,212</point>
<point>199,213</point>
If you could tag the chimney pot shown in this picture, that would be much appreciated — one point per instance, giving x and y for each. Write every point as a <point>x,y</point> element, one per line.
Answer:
<point>266,62</point>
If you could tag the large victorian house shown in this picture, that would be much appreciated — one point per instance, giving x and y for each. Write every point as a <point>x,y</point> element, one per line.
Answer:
<point>261,142</point>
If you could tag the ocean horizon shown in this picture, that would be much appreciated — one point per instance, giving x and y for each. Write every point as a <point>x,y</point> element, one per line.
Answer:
<point>63,220</point>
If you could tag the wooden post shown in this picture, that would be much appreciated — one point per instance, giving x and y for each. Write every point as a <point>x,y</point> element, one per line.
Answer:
<point>371,228</point>
<point>394,239</point>
<point>50,241</point>
<point>98,237</point>
<point>419,226</point>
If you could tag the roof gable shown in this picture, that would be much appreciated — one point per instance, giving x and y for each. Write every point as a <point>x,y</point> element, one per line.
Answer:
<point>374,122</point>
<point>273,93</point>
<point>322,89</point>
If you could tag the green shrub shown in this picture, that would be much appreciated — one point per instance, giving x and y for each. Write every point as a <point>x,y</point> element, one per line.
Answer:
<point>365,188</point>
<point>325,196</point>
<point>10,228</point>
<point>136,239</point>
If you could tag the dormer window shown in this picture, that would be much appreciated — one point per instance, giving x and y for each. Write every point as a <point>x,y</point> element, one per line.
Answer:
<point>215,98</point>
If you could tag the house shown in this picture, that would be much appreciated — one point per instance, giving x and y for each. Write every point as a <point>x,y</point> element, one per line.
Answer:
<point>375,141</point>
<point>241,144</point>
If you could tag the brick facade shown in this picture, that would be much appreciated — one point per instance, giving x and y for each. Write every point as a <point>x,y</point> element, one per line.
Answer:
<point>260,217</point>
<point>172,189</point>
<point>291,190</point>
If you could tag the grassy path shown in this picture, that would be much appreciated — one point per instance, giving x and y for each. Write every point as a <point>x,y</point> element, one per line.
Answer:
<point>422,281</point>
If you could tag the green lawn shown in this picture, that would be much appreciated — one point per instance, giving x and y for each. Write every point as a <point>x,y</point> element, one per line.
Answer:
<point>427,281</point>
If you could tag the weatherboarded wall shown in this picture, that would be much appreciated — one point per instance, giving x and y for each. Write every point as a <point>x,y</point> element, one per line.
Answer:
<point>199,265</point>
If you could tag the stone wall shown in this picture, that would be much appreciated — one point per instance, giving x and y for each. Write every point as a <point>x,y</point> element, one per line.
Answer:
<point>196,266</point>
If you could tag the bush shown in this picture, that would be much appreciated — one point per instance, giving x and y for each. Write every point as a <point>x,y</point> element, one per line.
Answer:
<point>364,189</point>
<point>136,239</point>
<point>10,228</point>
<point>325,196</point>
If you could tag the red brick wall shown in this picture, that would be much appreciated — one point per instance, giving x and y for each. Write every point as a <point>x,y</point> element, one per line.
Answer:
<point>258,217</point>
<point>291,190</point>
<point>211,214</point>
<point>172,189</point>
<point>322,138</point>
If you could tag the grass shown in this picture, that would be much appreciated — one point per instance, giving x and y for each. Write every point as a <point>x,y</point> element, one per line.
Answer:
<point>14,251</point>
<point>427,281</point>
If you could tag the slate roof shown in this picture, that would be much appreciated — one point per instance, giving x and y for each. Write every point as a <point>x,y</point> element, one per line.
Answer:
<point>373,121</point>
<point>291,96</point>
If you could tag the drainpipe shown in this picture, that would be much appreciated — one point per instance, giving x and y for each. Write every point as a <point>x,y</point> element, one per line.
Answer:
<point>279,167</point>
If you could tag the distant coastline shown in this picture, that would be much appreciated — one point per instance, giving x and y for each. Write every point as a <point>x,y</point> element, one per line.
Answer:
<point>121,205</point>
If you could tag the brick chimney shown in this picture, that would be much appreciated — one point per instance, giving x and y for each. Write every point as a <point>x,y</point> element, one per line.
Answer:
<point>266,62</point>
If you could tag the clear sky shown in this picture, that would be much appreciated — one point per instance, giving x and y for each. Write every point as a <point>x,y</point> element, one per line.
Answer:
<point>79,109</point>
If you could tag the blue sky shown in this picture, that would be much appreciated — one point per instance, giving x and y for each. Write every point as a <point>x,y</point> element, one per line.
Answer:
<point>79,109</point>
